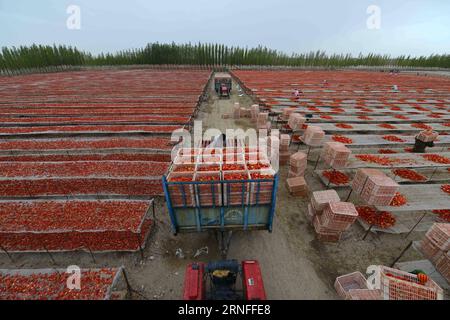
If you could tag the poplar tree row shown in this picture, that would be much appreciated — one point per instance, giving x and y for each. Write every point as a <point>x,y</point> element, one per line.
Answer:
<point>41,57</point>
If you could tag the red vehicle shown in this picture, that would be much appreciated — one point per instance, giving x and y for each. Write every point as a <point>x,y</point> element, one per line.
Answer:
<point>224,91</point>
<point>218,281</point>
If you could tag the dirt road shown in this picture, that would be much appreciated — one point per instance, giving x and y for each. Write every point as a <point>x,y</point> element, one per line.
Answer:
<point>288,273</point>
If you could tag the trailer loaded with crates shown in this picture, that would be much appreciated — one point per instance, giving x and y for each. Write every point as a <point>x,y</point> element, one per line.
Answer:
<point>221,190</point>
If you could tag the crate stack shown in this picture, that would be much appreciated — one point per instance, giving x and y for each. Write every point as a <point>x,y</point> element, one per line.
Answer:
<point>296,121</point>
<point>285,141</point>
<point>435,246</point>
<point>318,202</point>
<point>245,113</point>
<point>286,113</point>
<point>264,146</point>
<point>203,174</point>
<point>374,187</point>
<point>400,285</point>
<point>254,111</point>
<point>361,177</point>
<point>261,192</point>
<point>236,110</point>
<point>336,218</point>
<point>297,186</point>
<point>336,155</point>
<point>353,286</point>
<point>313,136</point>
<point>263,120</point>
<point>427,136</point>
<point>298,163</point>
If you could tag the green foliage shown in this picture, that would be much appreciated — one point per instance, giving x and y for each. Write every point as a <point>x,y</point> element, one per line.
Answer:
<point>38,56</point>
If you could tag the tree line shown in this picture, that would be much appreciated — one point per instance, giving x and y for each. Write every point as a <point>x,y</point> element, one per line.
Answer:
<point>44,56</point>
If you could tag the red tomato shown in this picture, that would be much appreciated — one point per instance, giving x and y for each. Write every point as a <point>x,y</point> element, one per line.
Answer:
<point>344,126</point>
<point>393,139</point>
<point>342,139</point>
<point>336,177</point>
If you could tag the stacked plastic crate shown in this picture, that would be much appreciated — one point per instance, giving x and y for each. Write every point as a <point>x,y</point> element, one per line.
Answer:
<point>236,110</point>
<point>210,169</point>
<point>260,191</point>
<point>393,285</point>
<point>427,136</point>
<point>336,155</point>
<point>183,170</point>
<point>374,187</point>
<point>354,286</point>
<point>245,112</point>
<point>234,168</point>
<point>286,113</point>
<point>254,111</point>
<point>298,163</point>
<point>319,200</point>
<point>336,218</point>
<point>313,136</point>
<point>263,120</point>
<point>436,247</point>
<point>329,216</point>
<point>259,168</point>
<point>296,121</point>
<point>297,186</point>
<point>361,177</point>
<point>285,141</point>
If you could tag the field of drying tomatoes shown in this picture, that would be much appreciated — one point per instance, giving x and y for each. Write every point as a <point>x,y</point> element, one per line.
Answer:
<point>108,133</point>
<point>88,133</point>
<point>74,225</point>
<point>52,285</point>
<point>364,110</point>
<point>349,92</point>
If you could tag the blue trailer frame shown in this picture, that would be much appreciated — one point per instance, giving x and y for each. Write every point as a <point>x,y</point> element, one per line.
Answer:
<point>221,216</point>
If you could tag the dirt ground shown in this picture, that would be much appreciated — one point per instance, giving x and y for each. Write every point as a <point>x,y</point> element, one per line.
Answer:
<point>294,264</point>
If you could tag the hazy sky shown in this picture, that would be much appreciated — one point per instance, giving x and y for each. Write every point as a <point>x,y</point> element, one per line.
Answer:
<point>413,27</point>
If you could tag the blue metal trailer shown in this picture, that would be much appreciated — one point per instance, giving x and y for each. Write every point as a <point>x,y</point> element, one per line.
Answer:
<point>252,210</point>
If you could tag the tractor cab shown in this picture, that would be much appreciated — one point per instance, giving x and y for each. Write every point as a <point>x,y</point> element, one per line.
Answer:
<point>224,93</point>
<point>223,84</point>
<point>219,281</point>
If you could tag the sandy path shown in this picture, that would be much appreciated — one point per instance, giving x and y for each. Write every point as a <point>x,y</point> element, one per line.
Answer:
<point>288,274</point>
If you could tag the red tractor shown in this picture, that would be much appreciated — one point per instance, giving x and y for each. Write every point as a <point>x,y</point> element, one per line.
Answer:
<point>224,91</point>
<point>223,84</point>
<point>218,281</point>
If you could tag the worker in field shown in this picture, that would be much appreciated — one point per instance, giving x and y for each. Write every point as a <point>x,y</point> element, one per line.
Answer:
<point>297,93</point>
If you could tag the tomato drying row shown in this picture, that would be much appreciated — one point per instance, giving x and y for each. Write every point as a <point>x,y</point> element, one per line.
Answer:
<point>89,129</point>
<point>52,285</point>
<point>124,169</point>
<point>86,143</point>
<point>81,186</point>
<point>72,215</point>
<point>98,119</point>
